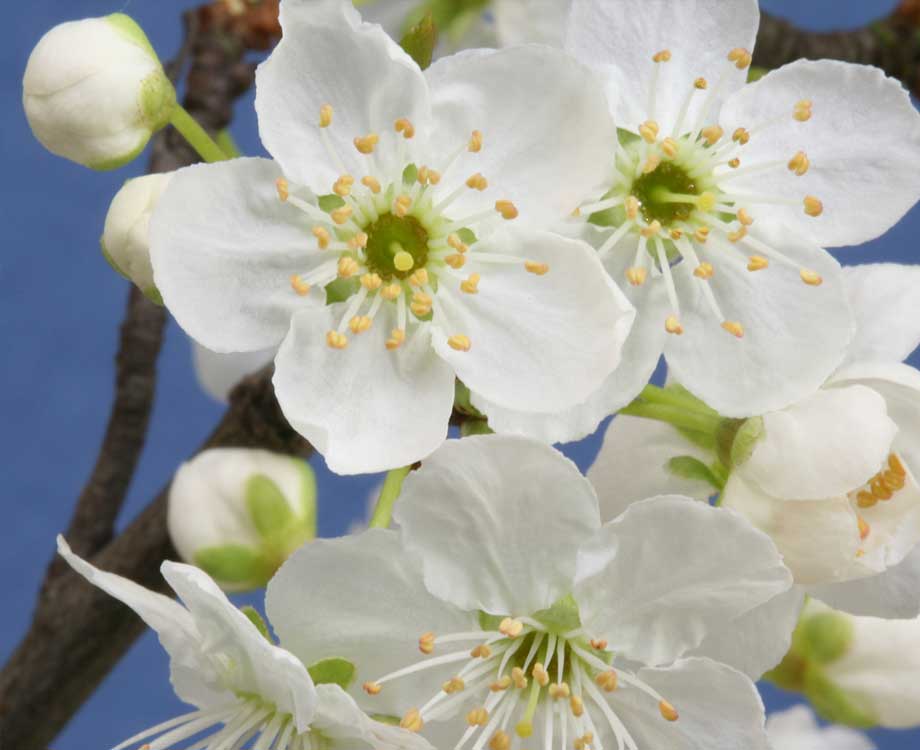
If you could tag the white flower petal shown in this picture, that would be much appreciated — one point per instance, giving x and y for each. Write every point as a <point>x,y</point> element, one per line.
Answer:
<point>621,38</point>
<point>328,56</point>
<point>757,640</point>
<point>887,309</point>
<point>497,521</point>
<point>364,408</point>
<point>224,248</point>
<point>522,21</point>
<point>720,709</point>
<point>782,318</point>
<point>539,343</point>
<point>797,729</point>
<point>656,581</point>
<point>632,465</point>
<point>362,598</point>
<point>218,374</point>
<point>828,444</point>
<point>547,132</point>
<point>258,667</point>
<point>863,142</point>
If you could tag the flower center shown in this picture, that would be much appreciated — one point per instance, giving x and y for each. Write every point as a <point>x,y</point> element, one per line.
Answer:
<point>882,488</point>
<point>667,195</point>
<point>395,246</point>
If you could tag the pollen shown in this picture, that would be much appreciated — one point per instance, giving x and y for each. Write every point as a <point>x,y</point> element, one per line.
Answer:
<point>598,644</point>
<point>663,56</point>
<point>459,343</point>
<point>584,742</point>
<point>470,285</point>
<point>757,263</point>
<point>741,57</point>
<point>701,234</point>
<point>741,136</point>
<point>864,528</point>
<point>457,244</point>
<point>475,144</point>
<point>540,674</point>
<point>453,685</point>
<point>559,691</point>
<point>501,684</point>
<point>455,260</point>
<point>810,277</point>
<point>518,678</point>
<point>813,207</point>
<point>299,286</point>
<point>607,681</point>
<point>325,116</point>
<point>676,234</point>
<point>632,207</point>
<point>426,643</point>
<point>507,209</point>
<point>347,267</point>
<point>412,721</point>
<point>636,276</point>
<point>651,230</point>
<point>336,340</point>
<point>401,206</point>
<point>397,337</point>
<point>670,147</point>
<point>577,705</point>
<point>510,627</point>
<point>734,328</point>
<point>360,324</point>
<point>668,712</point>
<point>403,261</point>
<point>701,83</point>
<point>372,688</point>
<point>421,304</point>
<point>341,215</point>
<point>371,183</point>
<point>391,291</point>
<point>866,499</point>
<point>478,717</point>
<point>712,134</point>
<point>735,163</point>
<point>538,269</point>
<point>894,463</point>
<point>282,186</point>
<point>704,271</point>
<point>799,164</point>
<point>359,240</point>
<point>404,126</point>
<point>672,325</point>
<point>322,237</point>
<point>342,186</point>
<point>744,217</point>
<point>802,110</point>
<point>482,651</point>
<point>738,235</point>
<point>477,182</point>
<point>419,277</point>
<point>649,131</point>
<point>501,740</point>
<point>653,162</point>
<point>367,143</point>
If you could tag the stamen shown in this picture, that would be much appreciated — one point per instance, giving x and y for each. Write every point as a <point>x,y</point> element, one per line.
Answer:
<point>477,182</point>
<point>426,643</point>
<point>866,499</point>
<point>741,57</point>
<point>366,144</point>
<point>478,717</point>
<point>540,675</point>
<point>402,205</point>
<point>347,267</point>
<point>421,304</point>
<point>672,325</point>
<point>299,286</point>
<point>397,337</point>
<point>475,144</point>
<point>391,291</point>
<point>510,627</point>
<point>668,712</point>
<point>501,684</point>
<point>518,678</point>
<point>372,688</point>
<point>371,183</point>
<point>459,343</point>
<point>649,131</point>
<point>404,126</point>
<point>757,263</point>
<point>735,163</point>
<point>652,230</point>
<point>704,271</point>
<point>482,651</point>
<point>538,269</point>
<point>799,163</point>
<point>651,164</point>
<point>663,56</point>
<point>632,207</point>
<point>741,136</point>
<point>598,644</point>
<point>412,721</point>
<point>336,340</point>
<point>341,215</point>
<point>500,741</point>
<point>507,209</point>
<point>813,207</point>
<point>322,237</point>
<point>802,110</point>
<point>864,528</point>
<point>744,217</point>
<point>455,260</point>
<point>734,328</point>
<point>712,134</point>
<point>670,147</point>
<point>360,324</point>
<point>559,691</point>
<point>810,277</point>
<point>457,244</point>
<point>636,276</point>
<point>419,277</point>
<point>325,116</point>
<point>453,685</point>
<point>358,241</point>
<point>284,192</point>
<point>577,705</point>
<point>701,234</point>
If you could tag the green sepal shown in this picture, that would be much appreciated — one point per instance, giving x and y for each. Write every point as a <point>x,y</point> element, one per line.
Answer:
<point>330,202</point>
<point>333,671</point>
<point>340,289</point>
<point>688,467</point>
<point>157,100</point>
<point>410,174</point>
<point>268,508</point>
<point>561,617</point>
<point>252,614</point>
<point>107,165</point>
<point>467,236</point>
<point>489,622</point>
<point>153,294</point>
<point>111,261</point>
<point>755,73</point>
<point>308,495</point>
<point>131,30</point>
<point>386,719</point>
<point>746,438</point>
<point>471,427</point>
<point>420,40</point>
<point>463,401</point>
<point>234,564</point>
<point>825,637</point>
<point>832,703</point>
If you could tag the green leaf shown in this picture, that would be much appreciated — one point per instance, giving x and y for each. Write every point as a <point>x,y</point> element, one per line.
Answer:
<point>256,619</point>
<point>334,670</point>
<point>330,202</point>
<point>267,506</point>
<point>688,467</point>
<point>420,40</point>
<point>234,563</point>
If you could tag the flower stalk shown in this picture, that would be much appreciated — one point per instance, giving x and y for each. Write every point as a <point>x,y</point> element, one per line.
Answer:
<point>197,137</point>
<point>392,486</point>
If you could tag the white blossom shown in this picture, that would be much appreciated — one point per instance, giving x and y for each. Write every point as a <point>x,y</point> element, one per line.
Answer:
<point>797,729</point>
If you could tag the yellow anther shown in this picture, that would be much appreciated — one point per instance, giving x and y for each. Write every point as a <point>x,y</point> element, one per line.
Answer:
<point>636,276</point>
<point>402,205</point>
<point>577,705</point>
<point>422,175</point>
<point>712,134</point>
<point>738,235</point>
<point>367,143</point>
<point>668,712</point>
<point>426,643</point>
<point>499,685</point>
<point>397,337</point>
<point>701,83</point>
<point>477,182</point>
<point>799,163</point>
<point>457,244</point>
<point>649,131</point>
<point>632,207</point>
<point>741,136</point>
<point>404,126</point>
<point>706,202</point>
<point>704,271</point>
<point>744,217</point>
<point>651,230</point>
<point>584,742</point>
<point>524,729</point>
<point>421,304</point>
<point>325,116</point>
<point>813,207</point>
<point>372,688</point>
<point>802,110</point>
<point>672,325</point>
<point>651,164</point>
<point>676,234</point>
<point>342,186</point>
<point>478,717</point>
<point>894,463</point>
<point>879,489</point>
<point>663,56</point>
<point>500,741</point>
<point>453,685</point>
<point>866,499</point>
<point>299,286</point>
<point>735,163</point>
<point>391,291</point>
<point>434,177</point>
<point>670,147</point>
<point>475,144</point>
<point>283,188</point>
<point>741,57</point>
<point>470,285</point>
<point>419,277</point>
<point>894,480</point>
<point>347,267</point>
<point>510,627</point>
<point>412,721</point>
<point>734,328</point>
<point>507,209</point>
<point>701,234</point>
<point>538,269</point>
<point>598,644</point>
<point>482,651</point>
<point>456,260</point>
<point>371,183</point>
<point>322,237</point>
<point>576,212</point>
<point>360,324</point>
<point>518,678</point>
<point>459,343</point>
<point>403,261</point>
<point>607,681</point>
<point>540,674</point>
<point>358,240</point>
<point>864,527</point>
<point>559,691</point>
<point>757,263</point>
<point>336,340</point>
<point>341,215</point>
<point>810,277</point>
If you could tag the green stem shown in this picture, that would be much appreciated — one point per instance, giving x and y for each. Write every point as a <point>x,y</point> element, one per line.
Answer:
<point>197,136</point>
<point>678,416</point>
<point>388,495</point>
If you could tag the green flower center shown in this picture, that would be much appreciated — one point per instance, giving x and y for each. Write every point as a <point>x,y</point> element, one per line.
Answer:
<point>660,192</point>
<point>392,242</point>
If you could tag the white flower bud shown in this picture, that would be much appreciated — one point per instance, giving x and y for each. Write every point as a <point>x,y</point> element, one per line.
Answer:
<point>94,91</point>
<point>239,513</point>
<point>125,240</point>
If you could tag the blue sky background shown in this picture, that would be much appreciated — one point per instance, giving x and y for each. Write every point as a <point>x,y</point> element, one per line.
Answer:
<point>59,311</point>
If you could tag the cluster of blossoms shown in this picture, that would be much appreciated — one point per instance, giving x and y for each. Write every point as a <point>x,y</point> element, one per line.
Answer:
<point>517,236</point>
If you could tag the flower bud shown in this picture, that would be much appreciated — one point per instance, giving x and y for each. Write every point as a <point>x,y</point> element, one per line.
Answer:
<point>125,240</point>
<point>94,91</point>
<point>239,513</point>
